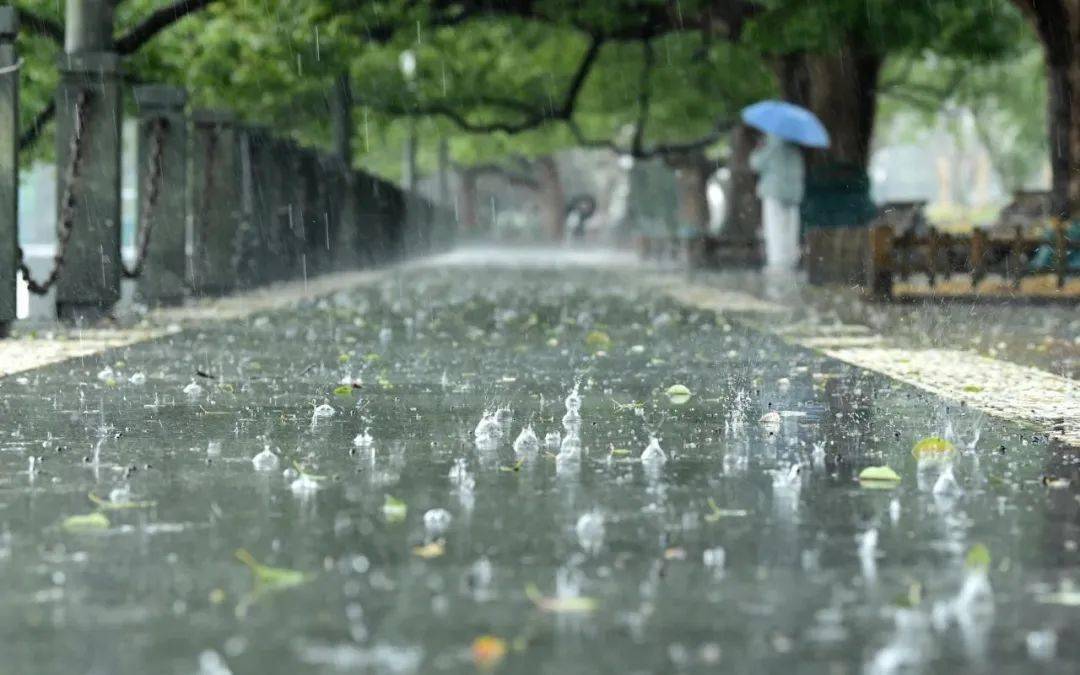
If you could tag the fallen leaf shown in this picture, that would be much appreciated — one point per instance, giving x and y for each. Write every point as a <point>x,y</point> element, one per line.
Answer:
<point>878,476</point>
<point>90,522</point>
<point>678,394</point>
<point>488,651</point>
<point>933,447</point>
<point>716,513</point>
<point>575,604</point>
<point>598,339</point>
<point>109,505</point>
<point>394,509</point>
<point>430,550</point>
<point>977,558</point>
<point>265,575</point>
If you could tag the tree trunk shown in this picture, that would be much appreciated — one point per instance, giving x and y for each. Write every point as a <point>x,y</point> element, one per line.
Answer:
<point>341,120</point>
<point>1057,23</point>
<point>692,177</point>
<point>843,94</point>
<point>742,218</point>
<point>552,199</point>
<point>408,160</point>
<point>467,214</point>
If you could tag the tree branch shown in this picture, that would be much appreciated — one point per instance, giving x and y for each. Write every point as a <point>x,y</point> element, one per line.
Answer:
<point>40,25</point>
<point>33,132</point>
<point>512,177</point>
<point>659,150</point>
<point>158,21</point>
<point>531,116</point>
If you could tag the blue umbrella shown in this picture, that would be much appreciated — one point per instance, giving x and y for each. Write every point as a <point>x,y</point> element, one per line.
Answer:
<point>788,121</point>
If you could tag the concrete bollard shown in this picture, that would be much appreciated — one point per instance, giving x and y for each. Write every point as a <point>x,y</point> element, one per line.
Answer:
<point>9,166</point>
<point>162,193</point>
<point>261,202</point>
<point>290,212</point>
<point>216,207</point>
<point>88,131</point>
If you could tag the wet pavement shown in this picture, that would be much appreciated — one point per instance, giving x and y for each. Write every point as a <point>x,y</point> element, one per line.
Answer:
<point>1038,334</point>
<point>405,533</point>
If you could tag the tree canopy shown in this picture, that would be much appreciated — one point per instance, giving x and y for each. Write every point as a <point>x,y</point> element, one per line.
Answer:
<point>515,78</point>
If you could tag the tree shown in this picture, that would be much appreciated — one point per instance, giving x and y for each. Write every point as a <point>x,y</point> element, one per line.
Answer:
<point>42,36</point>
<point>1057,23</point>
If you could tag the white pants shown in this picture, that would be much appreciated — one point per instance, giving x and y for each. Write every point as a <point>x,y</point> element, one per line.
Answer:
<point>781,235</point>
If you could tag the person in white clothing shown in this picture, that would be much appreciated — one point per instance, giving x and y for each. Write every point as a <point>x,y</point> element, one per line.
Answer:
<point>781,175</point>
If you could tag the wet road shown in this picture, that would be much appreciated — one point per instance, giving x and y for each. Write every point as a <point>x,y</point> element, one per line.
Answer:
<point>401,528</point>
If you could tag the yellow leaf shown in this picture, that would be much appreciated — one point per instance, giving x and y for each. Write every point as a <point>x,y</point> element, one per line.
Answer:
<point>575,604</point>
<point>933,447</point>
<point>488,651</point>
<point>878,476</point>
<point>90,522</point>
<point>598,339</point>
<point>430,550</point>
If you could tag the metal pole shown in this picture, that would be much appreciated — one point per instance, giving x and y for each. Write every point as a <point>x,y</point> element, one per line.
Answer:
<point>162,207</point>
<point>9,166</point>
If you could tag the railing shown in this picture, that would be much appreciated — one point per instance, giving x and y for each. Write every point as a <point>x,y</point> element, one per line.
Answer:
<point>255,208</point>
<point>940,256</point>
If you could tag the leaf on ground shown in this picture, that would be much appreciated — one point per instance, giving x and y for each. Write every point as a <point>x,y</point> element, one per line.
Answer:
<point>488,651</point>
<point>272,577</point>
<point>343,390</point>
<point>430,550</point>
<point>89,522</point>
<point>515,467</point>
<point>109,505</point>
<point>575,604</point>
<point>598,339</point>
<point>678,394</point>
<point>716,513</point>
<point>933,447</point>
<point>977,558</point>
<point>394,509</point>
<point>878,476</point>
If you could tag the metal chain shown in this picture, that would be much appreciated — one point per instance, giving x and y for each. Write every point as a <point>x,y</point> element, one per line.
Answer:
<point>152,187</point>
<point>67,204</point>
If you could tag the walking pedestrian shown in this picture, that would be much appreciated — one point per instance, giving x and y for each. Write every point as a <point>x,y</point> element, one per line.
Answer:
<point>781,173</point>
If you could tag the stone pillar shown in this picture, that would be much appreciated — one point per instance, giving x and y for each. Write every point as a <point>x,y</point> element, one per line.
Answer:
<point>290,212</point>
<point>261,202</point>
<point>162,175</point>
<point>216,203</point>
<point>9,166</point>
<point>89,93</point>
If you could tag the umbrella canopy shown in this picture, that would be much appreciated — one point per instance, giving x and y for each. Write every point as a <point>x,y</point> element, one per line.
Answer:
<point>788,121</point>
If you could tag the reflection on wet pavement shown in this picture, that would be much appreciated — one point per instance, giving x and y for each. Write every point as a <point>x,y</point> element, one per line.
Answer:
<point>349,486</point>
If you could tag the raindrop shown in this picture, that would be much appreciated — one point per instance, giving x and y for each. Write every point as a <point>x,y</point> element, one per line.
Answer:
<point>653,454</point>
<point>590,531</point>
<point>526,443</point>
<point>436,522</point>
<point>265,460</point>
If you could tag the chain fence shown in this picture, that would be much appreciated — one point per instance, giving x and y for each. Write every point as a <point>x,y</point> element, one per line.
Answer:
<point>67,209</point>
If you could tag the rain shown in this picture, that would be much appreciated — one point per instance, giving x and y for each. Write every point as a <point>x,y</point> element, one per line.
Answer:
<point>624,336</point>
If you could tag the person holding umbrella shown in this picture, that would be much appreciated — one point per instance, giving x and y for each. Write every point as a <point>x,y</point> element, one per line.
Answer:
<point>782,174</point>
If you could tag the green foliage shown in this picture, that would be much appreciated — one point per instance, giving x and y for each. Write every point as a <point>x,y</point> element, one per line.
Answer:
<point>514,66</point>
<point>1006,98</point>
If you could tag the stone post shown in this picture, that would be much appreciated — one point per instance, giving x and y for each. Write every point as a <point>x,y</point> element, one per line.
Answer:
<point>9,165</point>
<point>162,174</point>
<point>216,203</point>
<point>89,97</point>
